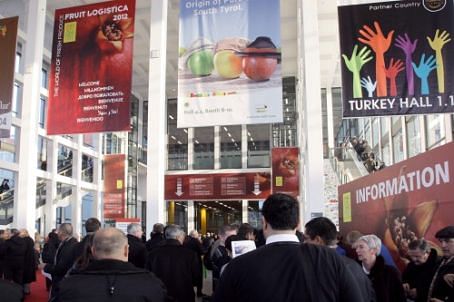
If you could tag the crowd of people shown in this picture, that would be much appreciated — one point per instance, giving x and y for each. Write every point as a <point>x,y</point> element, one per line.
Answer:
<point>287,265</point>
<point>366,156</point>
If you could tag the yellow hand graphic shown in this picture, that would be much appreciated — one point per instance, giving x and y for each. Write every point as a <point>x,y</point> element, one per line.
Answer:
<point>437,43</point>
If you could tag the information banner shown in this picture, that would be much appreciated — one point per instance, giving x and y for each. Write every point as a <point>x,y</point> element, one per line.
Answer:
<point>226,186</point>
<point>229,69</point>
<point>91,68</point>
<point>285,170</point>
<point>114,186</point>
<point>397,58</point>
<point>8,38</point>
<point>409,200</point>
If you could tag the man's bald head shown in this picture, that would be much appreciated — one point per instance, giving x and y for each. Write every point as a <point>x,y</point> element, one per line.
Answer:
<point>110,243</point>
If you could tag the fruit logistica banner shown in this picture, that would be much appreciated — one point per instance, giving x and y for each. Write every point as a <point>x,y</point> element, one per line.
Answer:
<point>285,170</point>
<point>91,68</point>
<point>229,69</point>
<point>396,58</point>
<point>114,186</point>
<point>409,200</point>
<point>8,37</point>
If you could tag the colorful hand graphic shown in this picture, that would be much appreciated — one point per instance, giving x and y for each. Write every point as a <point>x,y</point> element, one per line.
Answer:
<point>391,72</point>
<point>354,64</point>
<point>437,44</point>
<point>379,44</point>
<point>408,48</point>
<point>423,71</point>
<point>369,85</point>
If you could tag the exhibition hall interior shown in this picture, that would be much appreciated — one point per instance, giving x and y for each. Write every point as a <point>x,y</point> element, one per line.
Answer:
<point>192,112</point>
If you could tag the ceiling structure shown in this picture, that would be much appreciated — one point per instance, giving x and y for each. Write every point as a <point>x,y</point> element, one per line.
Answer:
<point>328,38</point>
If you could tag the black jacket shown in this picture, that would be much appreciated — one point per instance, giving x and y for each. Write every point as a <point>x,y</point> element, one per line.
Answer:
<point>137,251</point>
<point>287,272</point>
<point>177,267</point>
<point>195,245</point>
<point>65,258</point>
<point>154,241</point>
<point>386,282</point>
<point>112,281</point>
<point>441,289</point>
<point>30,264</point>
<point>364,284</point>
<point>49,249</point>
<point>10,292</point>
<point>420,276</point>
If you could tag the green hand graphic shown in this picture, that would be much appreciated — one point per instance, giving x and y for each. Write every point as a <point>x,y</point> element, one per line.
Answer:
<point>437,43</point>
<point>354,64</point>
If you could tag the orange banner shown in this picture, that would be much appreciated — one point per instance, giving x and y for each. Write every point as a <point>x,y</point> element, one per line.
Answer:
<point>114,186</point>
<point>285,170</point>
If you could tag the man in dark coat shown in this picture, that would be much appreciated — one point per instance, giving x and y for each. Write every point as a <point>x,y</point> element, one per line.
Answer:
<point>30,264</point>
<point>442,285</point>
<point>322,231</point>
<point>137,250</point>
<point>156,236</point>
<point>194,243</point>
<point>175,265</point>
<point>109,276</point>
<point>16,249</point>
<point>418,274</point>
<point>64,257</point>
<point>284,270</point>
<point>49,250</point>
<point>91,226</point>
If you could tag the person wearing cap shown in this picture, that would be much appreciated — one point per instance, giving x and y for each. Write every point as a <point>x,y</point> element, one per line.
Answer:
<point>442,285</point>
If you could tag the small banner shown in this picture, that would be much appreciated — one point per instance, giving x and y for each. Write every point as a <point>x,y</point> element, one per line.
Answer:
<point>285,170</point>
<point>91,68</point>
<point>8,39</point>
<point>114,186</point>
<point>226,186</point>
<point>397,58</point>
<point>229,69</point>
<point>409,200</point>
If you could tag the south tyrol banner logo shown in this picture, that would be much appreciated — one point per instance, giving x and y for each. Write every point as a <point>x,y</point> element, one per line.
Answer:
<point>391,65</point>
<point>91,68</point>
<point>229,69</point>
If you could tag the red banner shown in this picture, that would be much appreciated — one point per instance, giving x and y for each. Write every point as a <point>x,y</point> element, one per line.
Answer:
<point>285,165</point>
<point>91,68</point>
<point>409,200</point>
<point>114,186</point>
<point>8,37</point>
<point>228,186</point>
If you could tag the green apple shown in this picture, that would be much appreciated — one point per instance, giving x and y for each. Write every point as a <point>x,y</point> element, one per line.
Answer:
<point>201,63</point>
<point>227,64</point>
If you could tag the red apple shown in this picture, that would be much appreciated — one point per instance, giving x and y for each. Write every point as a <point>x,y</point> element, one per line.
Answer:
<point>259,68</point>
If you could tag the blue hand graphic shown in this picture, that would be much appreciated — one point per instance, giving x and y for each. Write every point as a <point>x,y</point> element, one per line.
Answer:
<point>369,85</point>
<point>423,70</point>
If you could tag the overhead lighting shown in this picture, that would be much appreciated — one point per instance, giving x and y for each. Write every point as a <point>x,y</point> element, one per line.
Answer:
<point>249,133</point>
<point>173,137</point>
<point>251,139</point>
<point>196,141</point>
<point>286,101</point>
<point>286,109</point>
<point>228,133</point>
<point>185,131</point>
<point>171,117</point>
<point>179,143</point>
<point>232,139</point>
<point>226,130</point>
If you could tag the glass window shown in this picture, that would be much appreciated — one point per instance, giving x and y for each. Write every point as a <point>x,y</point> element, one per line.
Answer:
<point>384,126</point>
<point>254,214</point>
<point>413,136</point>
<point>42,153</point>
<point>87,168</point>
<point>203,148</point>
<point>42,112</point>
<point>18,61</point>
<point>177,213</point>
<point>258,146</point>
<point>230,147</point>
<point>17,100</point>
<point>367,131</point>
<point>435,130</point>
<point>63,190</point>
<point>8,179</point>
<point>41,192</point>
<point>177,145</point>
<point>44,77</point>
<point>89,140</point>
<point>398,149</point>
<point>9,146</point>
<point>375,133</point>
<point>65,161</point>
<point>385,154</point>
<point>209,216</point>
